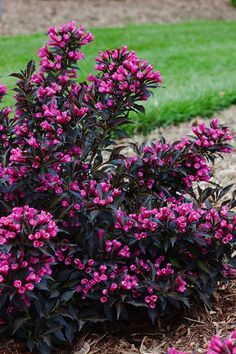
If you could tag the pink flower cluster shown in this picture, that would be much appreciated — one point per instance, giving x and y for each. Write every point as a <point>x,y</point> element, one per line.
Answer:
<point>66,37</point>
<point>91,195</point>
<point>50,182</point>
<point>120,281</point>
<point>123,74</point>
<point>217,224</point>
<point>100,194</point>
<point>3,91</point>
<point>158,160</point>
<point>182,215</point>
<point>49,116</point>
<point>62,252</point>
<point>26,270</point>
<point>23,236</point>
<point>218,345</point>
<point>41,223</point>
<point>211,137</point>
<point>220,224</point>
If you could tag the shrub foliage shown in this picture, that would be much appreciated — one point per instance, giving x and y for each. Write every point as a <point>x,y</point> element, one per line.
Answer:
<point>87,233</point>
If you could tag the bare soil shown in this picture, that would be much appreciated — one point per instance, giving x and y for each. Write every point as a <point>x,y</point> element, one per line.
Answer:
<point>27,16</point>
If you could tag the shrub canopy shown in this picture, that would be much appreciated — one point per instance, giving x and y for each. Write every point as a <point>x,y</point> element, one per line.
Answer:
<point>87,233</point>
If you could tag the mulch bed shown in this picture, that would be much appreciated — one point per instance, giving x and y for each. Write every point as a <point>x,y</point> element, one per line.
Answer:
<point>27,16</point>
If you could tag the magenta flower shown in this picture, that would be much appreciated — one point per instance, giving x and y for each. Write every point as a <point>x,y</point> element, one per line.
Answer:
<point>3,90</point>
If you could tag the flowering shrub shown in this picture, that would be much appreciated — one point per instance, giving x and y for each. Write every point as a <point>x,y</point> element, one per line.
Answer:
<point>24,234</point>
<point>217,345</point>
<point>87,233</point>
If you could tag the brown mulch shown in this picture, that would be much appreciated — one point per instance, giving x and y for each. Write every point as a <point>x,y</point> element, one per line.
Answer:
<point>27,16</point>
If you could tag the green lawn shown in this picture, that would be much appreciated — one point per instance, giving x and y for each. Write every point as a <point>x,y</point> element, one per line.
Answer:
<point>196,59</point>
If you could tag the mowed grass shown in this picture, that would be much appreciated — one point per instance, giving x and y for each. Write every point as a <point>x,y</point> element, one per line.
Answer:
<point>197,61</point>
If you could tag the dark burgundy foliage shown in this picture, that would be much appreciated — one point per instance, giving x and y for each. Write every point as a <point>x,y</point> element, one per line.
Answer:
<point>87,233</point>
